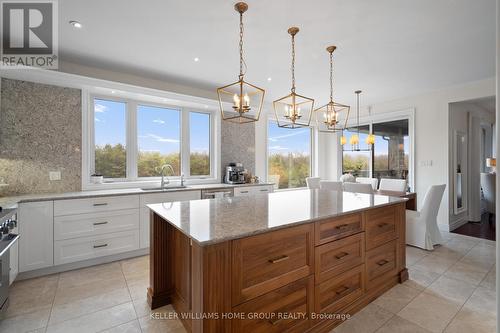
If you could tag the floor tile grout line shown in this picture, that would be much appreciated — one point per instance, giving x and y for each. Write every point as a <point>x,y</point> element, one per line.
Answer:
<point>461,307</point>
<point>53,301</point>
<point>130,295</point>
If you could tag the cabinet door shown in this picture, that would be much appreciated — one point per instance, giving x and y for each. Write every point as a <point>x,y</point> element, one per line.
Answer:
<point>36,229</point>
<point>14,262</point>
<point>153,198</point>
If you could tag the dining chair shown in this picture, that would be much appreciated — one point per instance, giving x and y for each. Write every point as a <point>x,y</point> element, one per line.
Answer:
<point>313,182</point>
<point>365,180</point>
<point>421,227</point>
<point>358,188</point>
<point>330,185</point>
<point>397,185</point>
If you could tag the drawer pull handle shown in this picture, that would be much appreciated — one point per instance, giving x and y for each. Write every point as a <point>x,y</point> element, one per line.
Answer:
<point>100,223</point>
<point>265,190</point>
<point>383,225</point>
<point>342,226</point>
<point>100,204</point>
<point>342,290</point>
<point>382,262</point>
<point>98,246</point>
<point>243,191</point>
<point>341,255</point>
<point>279,259</point>
<point>275,322</point>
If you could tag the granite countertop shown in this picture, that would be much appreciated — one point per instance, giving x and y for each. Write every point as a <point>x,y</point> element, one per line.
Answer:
<point>12,201</point>
<point>213,221</point>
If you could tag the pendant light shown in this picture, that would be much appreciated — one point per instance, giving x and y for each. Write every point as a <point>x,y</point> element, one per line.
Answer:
<point>293,110</point>
<point>354,139</point>
<point>241,102</point>
<point>328,116</point>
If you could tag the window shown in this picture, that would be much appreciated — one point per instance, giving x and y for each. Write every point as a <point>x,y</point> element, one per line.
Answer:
<point>199,141</point>
<point>289,156</point>
<point>110,138</point>
<point>132,140</point>
<point>390,155</point>
<point>159,137</point>
<point>357,162</point>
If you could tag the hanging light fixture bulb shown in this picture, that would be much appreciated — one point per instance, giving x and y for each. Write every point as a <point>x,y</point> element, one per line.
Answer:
<point>293,110</point>
<point>354,140</point>
<point>343,139</point>
<point>329,116</point>
<point>241,102</point>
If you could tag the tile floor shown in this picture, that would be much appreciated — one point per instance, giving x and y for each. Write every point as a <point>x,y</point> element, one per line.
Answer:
<point>451,289</point>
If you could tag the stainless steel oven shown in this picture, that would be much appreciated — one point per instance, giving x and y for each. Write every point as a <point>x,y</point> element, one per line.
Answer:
<point>8,239</point>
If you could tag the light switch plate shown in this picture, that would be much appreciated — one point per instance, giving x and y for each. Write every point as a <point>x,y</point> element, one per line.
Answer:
<point>55,175</point>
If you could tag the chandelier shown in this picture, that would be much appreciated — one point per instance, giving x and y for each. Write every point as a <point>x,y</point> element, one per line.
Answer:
<point>293,110</point>
<point>331,121</point>
<point>241,102</point>
<point>354,139</point>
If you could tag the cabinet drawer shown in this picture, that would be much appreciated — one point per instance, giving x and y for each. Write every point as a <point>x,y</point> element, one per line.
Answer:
<point>381,226</point>
<point>81,225</point>
<point>334,294</point>
<point>295,299</point>
<point>243,191</point>
<point>339,256</point>
<point>338,227</point>
<point>262,189</point>
<point>71,250</point>
<point>94,205</point>
<point>265,262</point>
<point>381,263</point>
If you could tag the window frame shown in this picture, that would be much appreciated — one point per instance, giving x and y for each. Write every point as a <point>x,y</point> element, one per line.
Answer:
<point>408,114</point>
<point>132,148</point>
<point>312,146</point>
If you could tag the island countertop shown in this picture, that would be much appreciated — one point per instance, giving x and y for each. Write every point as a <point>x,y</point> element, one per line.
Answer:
<point>212,221</point>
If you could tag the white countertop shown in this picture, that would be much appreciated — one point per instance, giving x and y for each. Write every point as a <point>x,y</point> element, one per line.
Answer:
<point>212,221</point>
<point>12,201</point>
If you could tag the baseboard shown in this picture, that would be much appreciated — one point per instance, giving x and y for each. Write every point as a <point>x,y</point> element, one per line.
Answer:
<point>81,264</point>
<point>458,223</point>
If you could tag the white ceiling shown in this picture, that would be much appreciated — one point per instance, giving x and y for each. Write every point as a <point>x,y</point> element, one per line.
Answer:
<point>387,48</point>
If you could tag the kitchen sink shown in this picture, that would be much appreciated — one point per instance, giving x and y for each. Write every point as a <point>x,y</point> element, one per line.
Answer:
<point>165,188</point>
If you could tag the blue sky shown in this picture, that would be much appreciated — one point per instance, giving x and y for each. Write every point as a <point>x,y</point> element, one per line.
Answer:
<point>158,129</point>
<point>284,140</point>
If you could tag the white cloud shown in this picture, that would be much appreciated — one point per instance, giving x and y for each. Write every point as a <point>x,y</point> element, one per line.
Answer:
<point>97,120</point>
<point>160,138</point>
<point>100,108</point>
<point>276,138</point>
<point>278,148</point>
<point>159,121</point>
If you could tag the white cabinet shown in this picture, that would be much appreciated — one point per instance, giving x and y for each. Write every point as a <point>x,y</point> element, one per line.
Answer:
<point>71,250</point>
<point>243,191</point>
<point>94,205</point>
<point>14,262</point>
<point>36,229</point>
<point>152,198</point>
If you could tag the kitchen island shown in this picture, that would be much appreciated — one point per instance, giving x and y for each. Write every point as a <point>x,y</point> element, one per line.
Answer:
<point>291,261</point>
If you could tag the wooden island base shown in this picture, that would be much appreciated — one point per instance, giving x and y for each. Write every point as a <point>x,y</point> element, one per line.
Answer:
<point>293,278</point>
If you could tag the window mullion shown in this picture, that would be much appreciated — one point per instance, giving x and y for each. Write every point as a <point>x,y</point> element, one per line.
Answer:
<point>132,148</point>
<point>185,146</point>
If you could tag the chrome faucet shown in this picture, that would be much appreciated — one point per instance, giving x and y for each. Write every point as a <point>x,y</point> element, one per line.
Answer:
<point>165,180</point>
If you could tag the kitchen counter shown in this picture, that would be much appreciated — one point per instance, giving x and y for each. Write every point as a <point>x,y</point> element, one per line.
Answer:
<point>218,220</point>
<point>12,201</point>
<point>283,261</point>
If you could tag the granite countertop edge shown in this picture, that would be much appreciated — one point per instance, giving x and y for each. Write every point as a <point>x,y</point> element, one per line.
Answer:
<point>278,227</point>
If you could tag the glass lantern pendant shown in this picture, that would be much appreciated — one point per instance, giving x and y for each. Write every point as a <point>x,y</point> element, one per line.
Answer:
<point>241,102</point>
<point>329,116</point>
<point>293,110</point>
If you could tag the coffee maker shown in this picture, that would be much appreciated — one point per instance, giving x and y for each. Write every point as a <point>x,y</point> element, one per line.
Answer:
<point>235,174</point>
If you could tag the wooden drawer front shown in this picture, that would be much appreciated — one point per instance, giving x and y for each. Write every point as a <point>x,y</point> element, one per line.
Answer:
<point>72,250</point>
<point>265,262</point>
<point>94,205</point>
<point>337,257</point>
<point>81,225</point>
<point>338,227</point>
<point>381,263</point>
<point>381,226</point>
<point>294,299</point>
<point>334,294</point>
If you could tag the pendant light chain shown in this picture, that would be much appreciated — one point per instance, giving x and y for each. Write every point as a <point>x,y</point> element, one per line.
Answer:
<point>293,63</point>
<point>357,94</point>
<point>241,46</point>
<point>331,77</point>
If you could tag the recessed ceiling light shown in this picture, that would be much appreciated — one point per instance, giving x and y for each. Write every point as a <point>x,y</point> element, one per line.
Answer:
<point>196,59</point>
<point>76,24</point>
<point>269,78</point>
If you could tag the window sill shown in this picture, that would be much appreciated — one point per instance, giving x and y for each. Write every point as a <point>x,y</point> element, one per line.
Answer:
<point>146,183</point>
